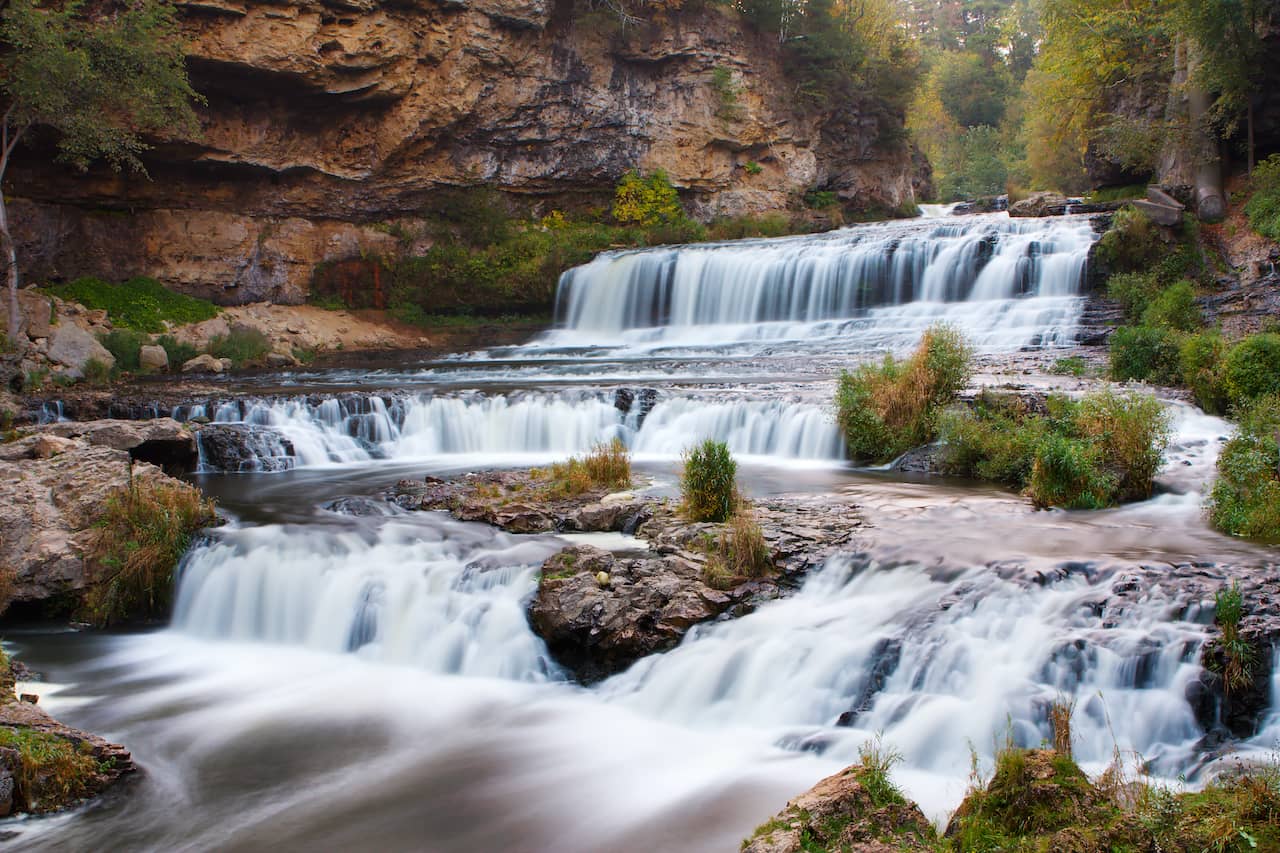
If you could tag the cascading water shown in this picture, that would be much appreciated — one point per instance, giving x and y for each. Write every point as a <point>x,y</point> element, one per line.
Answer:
<point>359,429</point>
<point>1005,282</point>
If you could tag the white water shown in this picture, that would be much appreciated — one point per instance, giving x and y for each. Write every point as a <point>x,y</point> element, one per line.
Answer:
<point>895,278</point>
<point>359,429</point>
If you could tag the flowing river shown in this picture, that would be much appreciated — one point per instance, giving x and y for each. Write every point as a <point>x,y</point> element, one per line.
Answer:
<point>343,674</point>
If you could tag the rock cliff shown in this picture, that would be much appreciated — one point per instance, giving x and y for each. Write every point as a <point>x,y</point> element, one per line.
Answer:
<point>327,118</point>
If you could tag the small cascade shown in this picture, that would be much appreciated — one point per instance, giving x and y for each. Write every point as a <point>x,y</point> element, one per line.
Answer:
<point>276,434</point>
<point>51,411</point>
<point>901,276</point>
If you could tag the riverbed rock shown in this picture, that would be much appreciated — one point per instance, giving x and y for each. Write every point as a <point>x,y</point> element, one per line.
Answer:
<point>239,448</point>
<point>843,813</point>
<point>203,363</point>
<point>153,358</point>
<point>160,441</point>
<point>72,347</point>
<point>1040,204</point>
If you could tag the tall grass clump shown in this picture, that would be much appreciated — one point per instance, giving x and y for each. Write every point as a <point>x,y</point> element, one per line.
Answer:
<point>606,466</point>
<point>740,552</point>
<point>885,410</point>
<point>52,771</point>
<point>144,529</point>
<point>179,352</point>
<point>244,345</point>
<point>708,482</point>
<point>1245,500</point>
<point>1237,654</point>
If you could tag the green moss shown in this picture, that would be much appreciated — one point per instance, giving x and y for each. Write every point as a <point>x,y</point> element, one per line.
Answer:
<point>1263,207</point>
<point>142,304</point>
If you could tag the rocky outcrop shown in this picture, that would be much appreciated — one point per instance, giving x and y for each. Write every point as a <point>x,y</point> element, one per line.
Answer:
<point>162,442</point>
<point>52,490</point>
<point>843,812</point>
<point>325,120</point>
<point>237,448</point>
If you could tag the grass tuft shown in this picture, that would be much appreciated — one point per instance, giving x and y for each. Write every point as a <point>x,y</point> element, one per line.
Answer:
<point>708,483</point>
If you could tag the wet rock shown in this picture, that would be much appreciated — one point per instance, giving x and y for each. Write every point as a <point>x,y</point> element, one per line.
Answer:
<point>843,813</point>
<point>240,447</point>
<point>885,658</point>
<point>358,507</point>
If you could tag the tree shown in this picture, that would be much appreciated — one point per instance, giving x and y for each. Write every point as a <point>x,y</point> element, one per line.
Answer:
<point>96,80</point>
<point>647,201</point>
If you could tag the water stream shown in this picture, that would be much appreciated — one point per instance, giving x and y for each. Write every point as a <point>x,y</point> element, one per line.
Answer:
<point>367,679</point>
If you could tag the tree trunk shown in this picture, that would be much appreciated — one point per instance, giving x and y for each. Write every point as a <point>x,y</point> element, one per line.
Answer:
<point>9,257</point>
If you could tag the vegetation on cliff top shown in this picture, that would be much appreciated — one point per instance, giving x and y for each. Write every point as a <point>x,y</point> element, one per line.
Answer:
<point>99,79</point>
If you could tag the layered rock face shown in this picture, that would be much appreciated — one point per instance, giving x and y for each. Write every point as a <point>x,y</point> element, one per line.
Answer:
<point>325,119</point>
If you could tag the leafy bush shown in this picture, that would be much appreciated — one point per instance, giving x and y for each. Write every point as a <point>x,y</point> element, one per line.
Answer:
<point>647,201</point>
<point>1263,207</point>
<point>1174,308</point>
<point>125,345</point>
<point>1246,496</point>
<point>144,529</point>
<point>1134,291</point>
<point>142,304</point>
<point>1085,454</point>
<point>244,345</point>
<point>1201,360</point>
<point>1145,354</point>
<point>178,352</point>
<point>708,483</point>
<point>1133,243</point>
<point>886,410</point>
<point>1252,368</point>
<point>1072,365</point>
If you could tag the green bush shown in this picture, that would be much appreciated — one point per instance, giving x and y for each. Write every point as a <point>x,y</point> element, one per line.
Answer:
<point>142,304</point>
<point>1072,365</point>
<point>1246,496</point>
<point>1252,368</point>
<point>708,483</point>
<point>1174,308</point>
<point>95,373</point>
<point>1145,354</point>
<point>1087,453</point>
<point>125,345</point>
<point>1201,360</point>
<point>244,345</point>
<point>1132,244</point>
<point>647,201</point>
<point>885,410</point>
<point>178,352</point>
<point>1134,291</point>
<point>1263,207</point>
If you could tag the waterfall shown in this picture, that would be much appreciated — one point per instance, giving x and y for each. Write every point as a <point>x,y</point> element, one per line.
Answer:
<point>901,276</point>
<point>354,428</point>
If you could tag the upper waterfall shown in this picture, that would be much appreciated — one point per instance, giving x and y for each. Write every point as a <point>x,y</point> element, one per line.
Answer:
<point>1005,282</point>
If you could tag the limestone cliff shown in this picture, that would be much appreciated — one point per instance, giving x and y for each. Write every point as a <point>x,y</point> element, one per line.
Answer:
<point>327,117</point>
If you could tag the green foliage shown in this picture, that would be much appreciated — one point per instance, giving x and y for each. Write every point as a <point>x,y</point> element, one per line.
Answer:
<point>1132,244</point>
<point>753,168</point>
<point>96,373</point>
<point>1201,360</point>
<point>973,165</point>
<point>816,199</point>
<point>475,216</point>
<point>647,201</point>
<point>244,345</point>
<point>875,762</point>
<point>1252,368</point>
<point>972,92</point>
<point>1174,308</point>
<point>1072,365</point>
<point>729,108</point>
<point>739,552</point>
<point>1145,354</point>
<point>888,409</point>
<point>1238,655</point>
<point>1082,454</point>
<point>1125,193</point>
<point>144,529</point>
<point>708,482</point>
<point>178,352</point>
<point>141,304</point>
<point>101,78</point>
<point>1246,496</point>
<point>1263,206</point>
<point>125,345</point>
<point>52,771</point>
<point>1134,291</point>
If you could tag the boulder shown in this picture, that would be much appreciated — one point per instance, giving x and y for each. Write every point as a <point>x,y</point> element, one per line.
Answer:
<point>239,448</point>
<point>281,359</point>
<point>153,358</point>
<point>161,441</point>
<point>36,314</point>
<point>1040,204</point>
<point>203,363</point>
<point>73,347</point>
<point>843,812</point>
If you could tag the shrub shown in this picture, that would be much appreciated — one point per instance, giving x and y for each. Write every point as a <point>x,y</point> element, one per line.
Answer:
<point>1072,365</point>
<point>1134,291</point>
<point>1132,432</point>
<point>95,372</point>
<point>886,410</point>
<point>1133,243</point>
<point>647,201</point>
<point>1252,368</point>
<point>1201,361</point>
<point>994,441</point>
<point>142,304</point>
<point>1238,655</point>
<point>179,352</point>
<point>1068,472</point>
<point>1174,308</point>
<point>126,345</point>
<point>1245,500</point>
<point>1263,207</point>
<point>243,345</point>
<point>144,529</point>
<point>1145,354</point>
<point>708,483</point>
